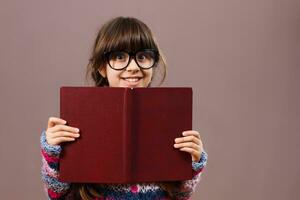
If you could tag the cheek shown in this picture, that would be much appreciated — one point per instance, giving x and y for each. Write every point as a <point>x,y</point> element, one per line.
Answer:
<point>113,77</point>
<point>148,78</point>
<point>149,74</point>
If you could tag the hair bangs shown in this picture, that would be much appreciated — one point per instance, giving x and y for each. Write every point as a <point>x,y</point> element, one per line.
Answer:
<point>130,35</point>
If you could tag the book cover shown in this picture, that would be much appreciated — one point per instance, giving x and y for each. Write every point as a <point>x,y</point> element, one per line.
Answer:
<point>127,134</point>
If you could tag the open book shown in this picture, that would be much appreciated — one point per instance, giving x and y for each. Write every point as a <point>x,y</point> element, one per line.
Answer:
<point>126,134</point>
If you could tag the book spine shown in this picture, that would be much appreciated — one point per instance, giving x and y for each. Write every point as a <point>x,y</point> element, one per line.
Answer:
<point>127,134</point>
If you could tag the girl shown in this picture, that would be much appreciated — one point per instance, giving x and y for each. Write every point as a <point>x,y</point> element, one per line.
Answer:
<point>125,54</point>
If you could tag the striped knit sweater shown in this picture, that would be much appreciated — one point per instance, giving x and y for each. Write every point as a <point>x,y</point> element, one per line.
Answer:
<point>57,190</point>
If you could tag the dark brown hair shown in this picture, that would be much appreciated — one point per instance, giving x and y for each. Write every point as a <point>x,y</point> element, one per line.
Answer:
<point>123,33</point>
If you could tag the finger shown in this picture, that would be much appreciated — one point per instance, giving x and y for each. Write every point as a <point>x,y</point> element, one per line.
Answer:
<point>191,138</point>
<point>192,151</point>
<point>62,139</point>
<point>187,144</point>
<point>196,155</point>
<point>64,134</point>
<point>52,121</point>
<point>191,132</point>
<point>61,127</point>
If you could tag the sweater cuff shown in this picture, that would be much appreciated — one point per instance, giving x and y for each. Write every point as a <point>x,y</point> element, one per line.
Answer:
<point>51,150</point>
<point>202,162</point>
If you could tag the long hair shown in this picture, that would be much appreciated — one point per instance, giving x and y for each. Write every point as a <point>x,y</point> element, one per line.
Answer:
<point>121,33</point>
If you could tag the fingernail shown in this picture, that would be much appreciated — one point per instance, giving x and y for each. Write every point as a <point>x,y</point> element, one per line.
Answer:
<point>77,135</point>
<point>76,129</point>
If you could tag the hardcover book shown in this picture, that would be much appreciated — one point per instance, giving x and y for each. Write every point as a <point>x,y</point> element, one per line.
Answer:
<point>126,134</point>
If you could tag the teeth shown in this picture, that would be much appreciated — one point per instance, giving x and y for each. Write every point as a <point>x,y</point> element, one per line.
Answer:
<point>132,79</point>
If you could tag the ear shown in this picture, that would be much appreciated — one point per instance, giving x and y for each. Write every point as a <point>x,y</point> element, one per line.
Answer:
<point>102,71</point>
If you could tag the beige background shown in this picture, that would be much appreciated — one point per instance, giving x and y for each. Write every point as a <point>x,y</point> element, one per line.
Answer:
<point>240,56</point>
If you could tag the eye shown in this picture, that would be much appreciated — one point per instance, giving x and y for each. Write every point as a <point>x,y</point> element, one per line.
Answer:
<point>118,56</point>
<point>145,56</point>
<point>141,57</point>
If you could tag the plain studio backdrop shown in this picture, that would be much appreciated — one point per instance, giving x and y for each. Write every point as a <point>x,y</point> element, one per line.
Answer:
<point>240,56</point>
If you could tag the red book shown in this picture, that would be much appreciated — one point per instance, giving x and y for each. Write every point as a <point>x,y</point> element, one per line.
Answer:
<point>126,134</point>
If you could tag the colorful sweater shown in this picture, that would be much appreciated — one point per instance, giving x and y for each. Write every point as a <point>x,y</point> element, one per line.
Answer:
<point>57,190</point>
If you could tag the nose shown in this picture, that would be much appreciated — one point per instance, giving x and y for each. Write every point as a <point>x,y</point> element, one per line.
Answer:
<point>132,65</point>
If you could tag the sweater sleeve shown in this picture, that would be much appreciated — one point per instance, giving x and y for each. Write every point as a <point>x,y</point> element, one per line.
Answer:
<point>54,188</point>
<point>185,189</point>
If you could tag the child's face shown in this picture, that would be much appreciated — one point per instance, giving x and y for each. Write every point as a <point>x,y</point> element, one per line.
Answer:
<point>132,76</point>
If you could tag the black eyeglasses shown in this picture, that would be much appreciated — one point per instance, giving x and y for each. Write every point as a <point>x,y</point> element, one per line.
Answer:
<point>119,60</point>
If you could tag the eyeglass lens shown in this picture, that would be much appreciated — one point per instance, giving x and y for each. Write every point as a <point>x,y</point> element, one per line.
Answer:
<point>120,59</point>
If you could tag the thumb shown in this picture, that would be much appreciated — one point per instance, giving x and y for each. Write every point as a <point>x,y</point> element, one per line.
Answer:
<point>54,121</point>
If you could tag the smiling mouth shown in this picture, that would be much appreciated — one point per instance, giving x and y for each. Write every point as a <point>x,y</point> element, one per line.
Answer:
<point>132,79</point>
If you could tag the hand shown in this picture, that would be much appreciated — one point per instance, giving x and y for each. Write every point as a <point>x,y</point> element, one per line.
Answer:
<point>191,143</point>
<point>57,132</point>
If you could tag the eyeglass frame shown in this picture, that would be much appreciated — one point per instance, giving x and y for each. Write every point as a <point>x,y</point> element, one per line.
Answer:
<point>132,54</point>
